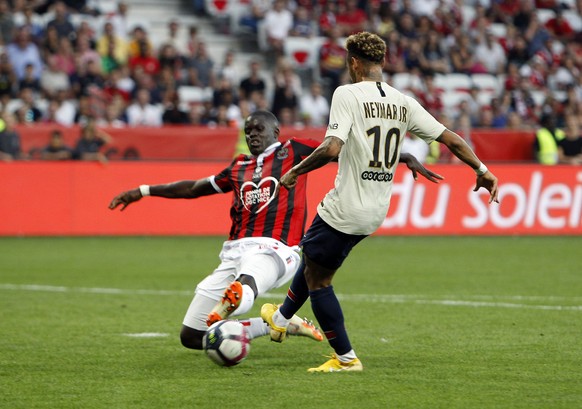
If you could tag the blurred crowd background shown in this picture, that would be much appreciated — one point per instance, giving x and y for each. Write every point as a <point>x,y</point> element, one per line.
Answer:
<point>510,65</point>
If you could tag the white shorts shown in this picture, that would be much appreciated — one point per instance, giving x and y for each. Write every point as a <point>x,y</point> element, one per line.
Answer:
<point>270,262</point>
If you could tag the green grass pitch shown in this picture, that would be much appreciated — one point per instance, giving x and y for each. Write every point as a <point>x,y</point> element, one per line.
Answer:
<point>438,322</point>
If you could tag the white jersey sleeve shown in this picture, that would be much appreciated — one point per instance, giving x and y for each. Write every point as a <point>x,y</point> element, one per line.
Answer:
<point>372,119</point>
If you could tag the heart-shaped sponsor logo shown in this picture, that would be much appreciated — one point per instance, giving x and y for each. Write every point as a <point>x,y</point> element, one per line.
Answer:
<point>264,192</point>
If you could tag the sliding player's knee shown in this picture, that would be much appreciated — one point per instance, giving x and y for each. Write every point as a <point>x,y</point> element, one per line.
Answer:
<point>250,281</point>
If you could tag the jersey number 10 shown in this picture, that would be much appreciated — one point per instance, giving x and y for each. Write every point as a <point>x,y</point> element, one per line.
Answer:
<point>393,133</point>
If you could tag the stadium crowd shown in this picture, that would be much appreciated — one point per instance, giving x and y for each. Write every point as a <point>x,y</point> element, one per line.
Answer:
<point>527,55</point>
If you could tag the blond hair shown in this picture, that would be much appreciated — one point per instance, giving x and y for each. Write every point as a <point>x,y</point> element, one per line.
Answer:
<point>366,46</point>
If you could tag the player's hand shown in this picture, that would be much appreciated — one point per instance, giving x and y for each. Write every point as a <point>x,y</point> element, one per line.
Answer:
<point>416,167</point>
<point>289,180</point>
<point>125,199</point>
<point>489,182</point>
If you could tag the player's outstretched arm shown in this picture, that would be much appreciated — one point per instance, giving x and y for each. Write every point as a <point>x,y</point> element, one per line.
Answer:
<point>185,189</point>
<point>463,151</point>
<point>327,151</point>
<point>416,167</point>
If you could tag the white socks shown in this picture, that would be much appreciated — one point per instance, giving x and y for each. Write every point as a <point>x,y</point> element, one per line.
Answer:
<point>255,327</point>
<point>246,302</point>
<point>279,320</point>
<point>350,356</point>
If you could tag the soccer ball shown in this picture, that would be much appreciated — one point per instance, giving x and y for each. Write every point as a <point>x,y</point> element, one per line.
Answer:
<point>226,343</point>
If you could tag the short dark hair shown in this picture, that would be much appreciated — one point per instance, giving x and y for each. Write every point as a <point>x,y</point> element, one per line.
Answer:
<point>268,116</point>
<point>366,46</point>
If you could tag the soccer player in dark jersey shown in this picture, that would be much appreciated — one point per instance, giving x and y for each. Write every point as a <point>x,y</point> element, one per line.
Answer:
<point>267,225</point>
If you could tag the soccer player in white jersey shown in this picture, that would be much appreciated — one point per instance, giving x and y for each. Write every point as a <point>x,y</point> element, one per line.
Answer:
<point>368,121</point>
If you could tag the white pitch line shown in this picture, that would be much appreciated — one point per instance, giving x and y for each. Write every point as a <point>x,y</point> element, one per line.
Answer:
<point>147,335</point>
<point>449,300</point>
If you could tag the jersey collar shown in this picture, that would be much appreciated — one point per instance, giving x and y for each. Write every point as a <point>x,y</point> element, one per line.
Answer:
<point>270,149</point>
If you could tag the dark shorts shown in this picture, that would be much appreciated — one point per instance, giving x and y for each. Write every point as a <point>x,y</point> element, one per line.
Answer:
<point>326,246</point>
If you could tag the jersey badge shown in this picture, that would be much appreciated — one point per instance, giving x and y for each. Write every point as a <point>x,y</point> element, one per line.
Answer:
<point>283,153</point>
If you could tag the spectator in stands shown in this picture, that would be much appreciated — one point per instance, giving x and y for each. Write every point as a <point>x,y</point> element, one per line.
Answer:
<point>314,106</point>
<point>332,57</point>
<point>394,53</point>
<point>536,35</point>
<point>64,108</point>
<point>173,114</point>
<point>53,78</point>
<point>224,87</point>
<point>231,108</point>
<point>413,57</point>
<point>192,42</point>
<point>113,116</point>
<point>65,57</point>
<point>406,26</point>
<point>22,51</point>
<point>284,74</point>
<point>560,77</point>
<point>139,40</point>
<point>144,59</point>
<point>384,22</point>
<point>327,17</point>
<point>27,112</point>
<point>302,24</point>
<point>50,42</point>
<point>570,148</point>
<point>56,149</point>
<point>473,104</point>
<point>430,96</point>
<point>522,101</point>
<point>514,122</point>
<point>278,23</point>
<point>500,109</point>
<point>6,23</point>
<point>524,15</point>
<point>228,69</point>
<point>548,136</point>
<point>61,21</point>
<point>559,26</point>
<point>166,82</point>
<point>463,58</point>
<point>29,81</point>
<point>89,79</point>
<point>169,58</point>
<point>89,145</point>
<point>85,52</point>
<point>109,61</point>
<point>10,146</point>
<point>119,20</point>
<point>7,77</point>
<point>149,82</point>
<point>112,45</point>
<point>286,97</point>
<point>518,53</point>
<point>253,82</point>
<point>32,21</point>
<point>175,38</point>
<point>258,9</point>
<point>350,18</point>
<point>490,54</point>
<point>85,111</point>
<point>434,60</point>
<point>142,112</point>
<point>201,68</point>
